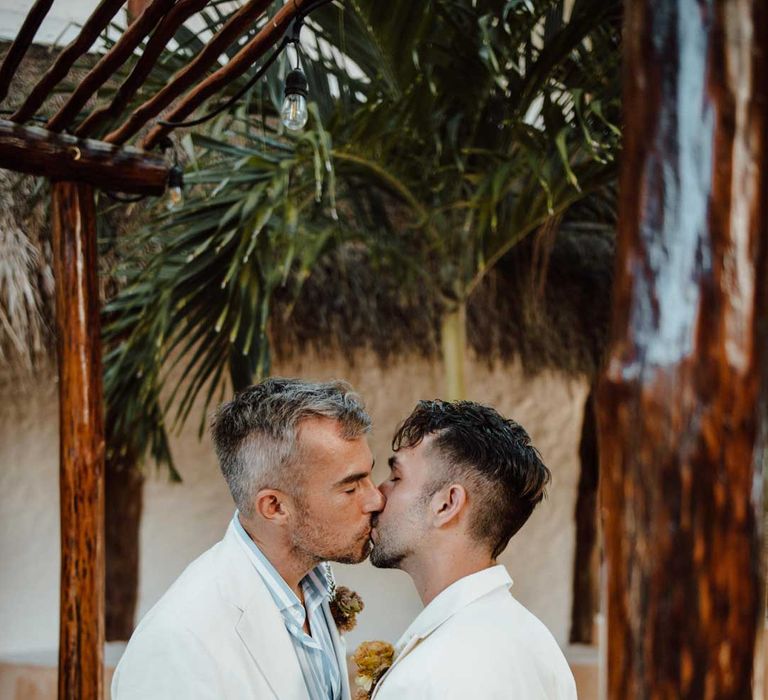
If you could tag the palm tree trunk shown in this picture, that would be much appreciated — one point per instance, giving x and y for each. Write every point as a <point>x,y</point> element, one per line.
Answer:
<point>124,486</point>
<point>453,334</point>
<point>585,561</point>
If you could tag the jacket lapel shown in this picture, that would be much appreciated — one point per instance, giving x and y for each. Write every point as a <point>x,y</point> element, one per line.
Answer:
<point>261,627</point>
<point>263,632</point>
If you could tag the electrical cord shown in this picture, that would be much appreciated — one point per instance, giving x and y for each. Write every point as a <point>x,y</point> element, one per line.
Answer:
<point>298,22</point>
<point>232,100</point>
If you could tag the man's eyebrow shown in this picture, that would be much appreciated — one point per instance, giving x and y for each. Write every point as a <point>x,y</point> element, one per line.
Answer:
<point>357,476</point>
<point>393,462</point>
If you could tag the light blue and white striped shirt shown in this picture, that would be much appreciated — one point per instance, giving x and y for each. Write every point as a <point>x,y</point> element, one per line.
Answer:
<point>315,653</point>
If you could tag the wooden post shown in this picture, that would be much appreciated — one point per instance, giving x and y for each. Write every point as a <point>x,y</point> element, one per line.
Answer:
<point>81,440</point>
<point>682,403</point>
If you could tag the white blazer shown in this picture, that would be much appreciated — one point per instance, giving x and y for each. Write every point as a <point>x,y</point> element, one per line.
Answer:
<point>216,634</point>
<point>474,640</point>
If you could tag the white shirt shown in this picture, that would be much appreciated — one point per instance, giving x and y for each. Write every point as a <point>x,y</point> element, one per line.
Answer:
<point>474,640</point>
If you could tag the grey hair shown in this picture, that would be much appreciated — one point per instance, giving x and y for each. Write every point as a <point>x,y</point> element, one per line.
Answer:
<point>255,434</point>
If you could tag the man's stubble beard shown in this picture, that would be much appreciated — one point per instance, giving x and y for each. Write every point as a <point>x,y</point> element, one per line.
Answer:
<point>382,559</point>
<point>389,554</point>
<point>313,542</point>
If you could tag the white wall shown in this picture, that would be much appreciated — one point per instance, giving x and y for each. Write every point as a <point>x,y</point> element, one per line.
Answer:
<point>181,521</point>
<point>63,21</point>
<point>29,520</point>
<point>60,22</point>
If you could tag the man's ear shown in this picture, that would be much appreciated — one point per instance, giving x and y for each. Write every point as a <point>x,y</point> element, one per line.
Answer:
<point>448,503</point>
<point>272,505</point>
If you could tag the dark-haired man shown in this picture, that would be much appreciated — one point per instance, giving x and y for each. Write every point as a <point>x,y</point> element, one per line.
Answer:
<point>250,618</point>
<point>463,481</point>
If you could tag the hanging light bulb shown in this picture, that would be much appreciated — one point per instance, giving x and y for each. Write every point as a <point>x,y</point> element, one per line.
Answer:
<point>294,111</point>
<point>175,189</point>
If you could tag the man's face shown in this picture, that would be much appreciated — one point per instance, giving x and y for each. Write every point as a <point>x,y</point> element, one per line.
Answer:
<point>336,499</point>
<point>400,529</point>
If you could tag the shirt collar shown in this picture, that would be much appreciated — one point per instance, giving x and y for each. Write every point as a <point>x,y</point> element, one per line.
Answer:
<point>317,585</point>
<point>453,599</point>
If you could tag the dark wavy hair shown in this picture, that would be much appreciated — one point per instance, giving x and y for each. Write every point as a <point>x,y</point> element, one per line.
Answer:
<point>491,455</point>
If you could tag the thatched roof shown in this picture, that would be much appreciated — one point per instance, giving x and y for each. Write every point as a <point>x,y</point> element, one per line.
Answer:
<point>560,322</point>
<point>348,306</point>
<point>27,303</point>
<point>26,277</point>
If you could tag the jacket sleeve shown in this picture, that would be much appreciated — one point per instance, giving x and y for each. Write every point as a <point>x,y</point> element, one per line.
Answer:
<point>165,665</point>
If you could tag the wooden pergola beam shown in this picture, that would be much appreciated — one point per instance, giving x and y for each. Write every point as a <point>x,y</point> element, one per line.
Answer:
<point>101,16</point>
<point>163,33</point>
<point>109,63</point>
<point>21,44</point>
<point>682,407</point>
<point>187,76</point>
<point>269,35</point>
<point>36,151</point>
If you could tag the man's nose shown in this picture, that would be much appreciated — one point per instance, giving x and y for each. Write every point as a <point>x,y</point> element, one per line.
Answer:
<point>376,501</point>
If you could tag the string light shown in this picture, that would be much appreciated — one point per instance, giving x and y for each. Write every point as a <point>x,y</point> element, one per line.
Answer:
<point>294,113</point>
<point>174,191</point>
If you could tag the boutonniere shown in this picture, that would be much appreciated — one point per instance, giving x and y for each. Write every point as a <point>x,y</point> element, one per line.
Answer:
<point>345,605</point>
<point>372,660</point>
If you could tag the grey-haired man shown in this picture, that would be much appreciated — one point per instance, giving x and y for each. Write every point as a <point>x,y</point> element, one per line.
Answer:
<point>250,617</point>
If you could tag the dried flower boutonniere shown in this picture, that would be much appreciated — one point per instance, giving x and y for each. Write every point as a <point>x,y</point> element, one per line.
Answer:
<point>345,605</point>
<point>372,660</point>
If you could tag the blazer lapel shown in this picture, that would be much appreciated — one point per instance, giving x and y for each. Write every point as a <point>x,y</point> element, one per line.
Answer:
<point>340,649</point>
<point>263,632</point>
<point>261,627</point>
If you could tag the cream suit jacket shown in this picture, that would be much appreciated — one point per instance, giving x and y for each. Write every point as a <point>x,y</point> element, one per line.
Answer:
<point>474,640</point>
<point>216,634</point>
